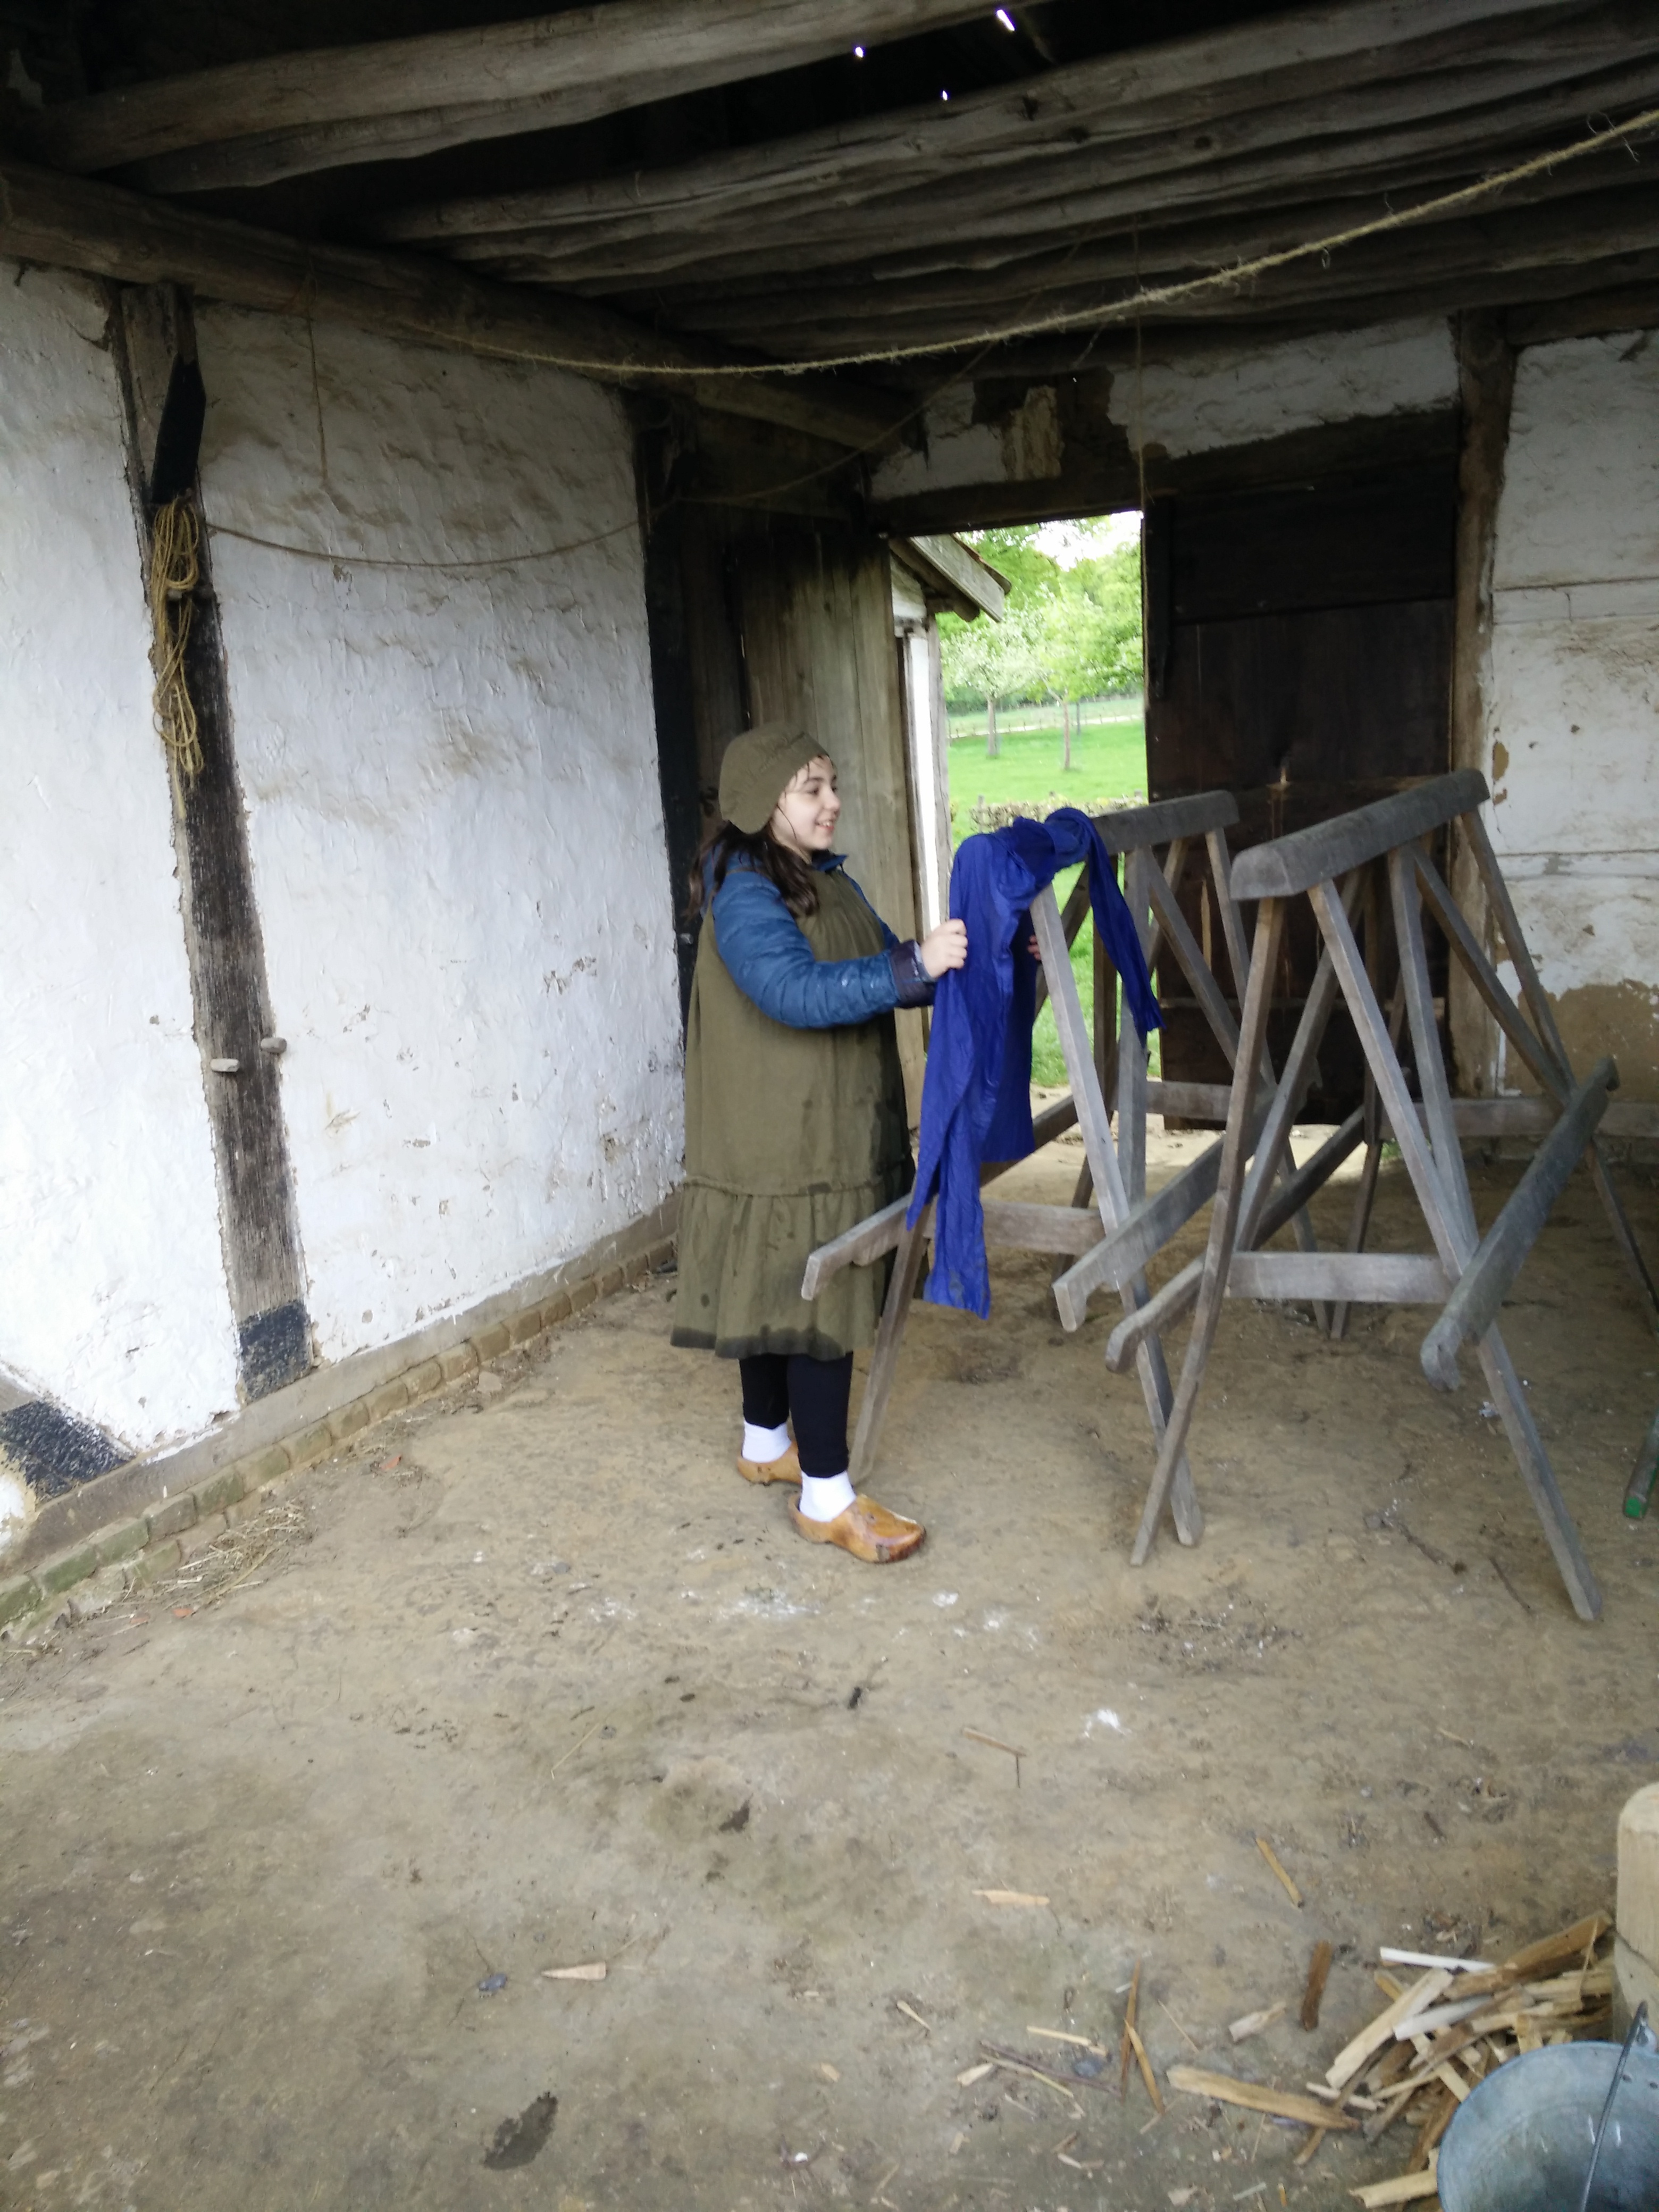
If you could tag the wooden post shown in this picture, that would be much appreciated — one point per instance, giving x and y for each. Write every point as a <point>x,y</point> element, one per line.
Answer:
<point>1475,1304</point>
<point>1111,1194</point>
<point>1443,1192</point>
<point>1253,1036</point>
<point>1485,370</point>
<point>884,1360</point>
<point>152,337</point>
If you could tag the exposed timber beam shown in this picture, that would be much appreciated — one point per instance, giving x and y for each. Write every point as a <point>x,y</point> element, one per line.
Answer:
<point>1184,82</point>
<point>1102,480</point>
<point>1618,291</point>
<point>76,223</point>
<point>1633,305</point>
<point>1159,254</point>
<point>594,60</point>
<point>1505,258</point>
<point>267,157</point>
<point>1011,219</point>
<point>1157,175</point>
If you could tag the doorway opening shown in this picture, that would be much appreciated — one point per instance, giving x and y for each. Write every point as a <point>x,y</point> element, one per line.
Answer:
<point>1287,642</point>
<point>1047,706</point>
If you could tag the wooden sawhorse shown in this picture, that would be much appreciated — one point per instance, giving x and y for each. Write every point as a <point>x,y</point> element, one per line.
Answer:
<point>1111,1240</point>
<point>1466,1274</point>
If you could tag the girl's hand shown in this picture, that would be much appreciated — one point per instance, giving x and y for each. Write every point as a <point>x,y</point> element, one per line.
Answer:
<point>944,947</point>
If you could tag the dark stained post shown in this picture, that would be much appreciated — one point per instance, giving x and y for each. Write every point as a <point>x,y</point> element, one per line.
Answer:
<point>153,337</point>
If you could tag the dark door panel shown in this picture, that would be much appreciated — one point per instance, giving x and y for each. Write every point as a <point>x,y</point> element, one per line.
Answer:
<point>1306,667</point>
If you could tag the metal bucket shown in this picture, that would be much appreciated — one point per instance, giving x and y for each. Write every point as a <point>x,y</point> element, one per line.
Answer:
<point>1521,2141</point>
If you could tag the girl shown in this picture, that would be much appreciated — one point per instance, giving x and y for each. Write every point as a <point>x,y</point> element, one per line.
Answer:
<point>795,1123</point>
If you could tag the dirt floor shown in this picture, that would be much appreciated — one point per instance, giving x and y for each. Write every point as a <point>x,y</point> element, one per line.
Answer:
<point>534,1680</point>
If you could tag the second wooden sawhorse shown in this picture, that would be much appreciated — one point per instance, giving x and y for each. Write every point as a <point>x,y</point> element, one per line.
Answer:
<point>1467,1274</point>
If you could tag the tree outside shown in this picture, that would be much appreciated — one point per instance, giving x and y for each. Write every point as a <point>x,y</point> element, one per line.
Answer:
<point>1072,633</point>
<point>1071,629</point>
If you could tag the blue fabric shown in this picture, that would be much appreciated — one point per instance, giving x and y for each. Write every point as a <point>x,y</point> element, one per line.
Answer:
<point>977,1096</point>
<point>769,957</point>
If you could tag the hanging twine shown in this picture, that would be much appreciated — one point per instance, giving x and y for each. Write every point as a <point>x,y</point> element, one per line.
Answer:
<point>174,571</point>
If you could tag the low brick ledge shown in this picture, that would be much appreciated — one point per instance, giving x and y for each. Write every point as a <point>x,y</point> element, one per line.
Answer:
<point>157,1539</point>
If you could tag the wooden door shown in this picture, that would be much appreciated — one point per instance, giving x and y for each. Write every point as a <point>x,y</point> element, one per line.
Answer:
<point>760,617</point>
<point>815,617</point>
<point>1298,654</point>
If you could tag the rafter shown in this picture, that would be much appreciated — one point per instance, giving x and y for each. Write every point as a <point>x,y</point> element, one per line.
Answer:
<point>314,109</point>
<point>78,224</point>
<point>1181,84</point>
<point>982,221</point>
<point>1160,252</point>
<point>1532,254</point>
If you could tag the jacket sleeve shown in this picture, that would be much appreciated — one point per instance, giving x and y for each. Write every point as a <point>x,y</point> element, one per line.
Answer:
<point>767,956</point>
<point>915,984</point>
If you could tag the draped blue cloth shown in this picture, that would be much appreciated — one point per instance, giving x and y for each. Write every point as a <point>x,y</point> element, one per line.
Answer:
<point>977,1096</point>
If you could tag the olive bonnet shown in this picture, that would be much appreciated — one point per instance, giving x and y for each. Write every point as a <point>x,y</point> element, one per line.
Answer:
<point>757,770</point>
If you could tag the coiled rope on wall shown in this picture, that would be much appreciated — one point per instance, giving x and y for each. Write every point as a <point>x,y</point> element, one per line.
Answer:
<point>175,569</point>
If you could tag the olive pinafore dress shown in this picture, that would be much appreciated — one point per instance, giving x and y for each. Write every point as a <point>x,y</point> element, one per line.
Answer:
<point>792,1136</point>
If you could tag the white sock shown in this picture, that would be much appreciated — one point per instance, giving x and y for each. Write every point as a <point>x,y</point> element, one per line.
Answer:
<point>825,1496</point>
<point>760,1445</point>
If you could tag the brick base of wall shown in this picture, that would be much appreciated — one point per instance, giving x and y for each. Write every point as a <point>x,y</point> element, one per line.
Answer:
<point>154,1541</point>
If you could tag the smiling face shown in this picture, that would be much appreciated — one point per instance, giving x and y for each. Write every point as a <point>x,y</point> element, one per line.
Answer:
<point>803,820</point>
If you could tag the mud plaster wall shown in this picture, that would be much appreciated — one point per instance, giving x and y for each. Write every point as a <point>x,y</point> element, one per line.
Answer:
<point>1239,397</point>
<point>1234,397</point>
<point>1573,692</point>
<point>456,832</point>
<point>112,1295</point>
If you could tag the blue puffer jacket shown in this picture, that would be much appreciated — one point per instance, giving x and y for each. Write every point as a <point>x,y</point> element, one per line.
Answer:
<point>767,957</point>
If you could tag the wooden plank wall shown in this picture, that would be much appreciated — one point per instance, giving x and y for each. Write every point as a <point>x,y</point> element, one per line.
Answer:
<point>759,617</point>
<point>814,606</point>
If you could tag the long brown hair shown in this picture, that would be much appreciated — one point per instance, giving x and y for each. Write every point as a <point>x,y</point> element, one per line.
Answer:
<point>725,842</point>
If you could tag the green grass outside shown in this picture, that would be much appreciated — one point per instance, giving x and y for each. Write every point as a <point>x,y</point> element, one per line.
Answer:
<point>1108,762</point>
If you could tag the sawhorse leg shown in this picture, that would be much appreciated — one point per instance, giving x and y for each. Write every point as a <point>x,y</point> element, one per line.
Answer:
<point>1108,1183</point>
<point>884,1360</point>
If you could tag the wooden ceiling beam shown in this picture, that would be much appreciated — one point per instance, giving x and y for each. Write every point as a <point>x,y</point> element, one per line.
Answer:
<point>1628,303</point>
<point>593,59</point>
<point>1269,140</point>
<point>268,157</point>
<point>1158,254</point>
<point>78,224</point>
<point>1185,82</point>
<point>979,223</point>
<point>1533,253</point>
<point>1105,478</point>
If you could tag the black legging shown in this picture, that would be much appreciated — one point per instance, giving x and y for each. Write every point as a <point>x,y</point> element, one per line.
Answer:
<point>814,1391</point>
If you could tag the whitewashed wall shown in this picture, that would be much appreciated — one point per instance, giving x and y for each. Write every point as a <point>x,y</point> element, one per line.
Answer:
<point>1573,689</point>
<point>113,1294</point>
<point>453,809</point>
<point>1191,404</point>
<point>1254,392</point>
